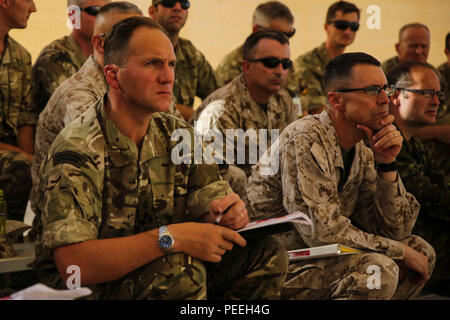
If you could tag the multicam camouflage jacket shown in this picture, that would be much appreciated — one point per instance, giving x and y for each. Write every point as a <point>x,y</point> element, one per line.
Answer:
<point>444,70</point>
<point>56,63</point>
<point>95,183</point>
<point>194,76</point>
<point>365,212</point>
<point>232,107</point>
<point>309,75</point>
<point>424,179</point>
<point>231,67</point>
<point>16,103</point>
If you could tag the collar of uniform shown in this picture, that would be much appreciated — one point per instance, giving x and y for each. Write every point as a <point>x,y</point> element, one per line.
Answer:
<point>77,52</point>
<point>99,76</point>
<point>254,110</point>
<point>330,133</point>
<point>322,54</point>
<point>6,58</point>
<point>122,150</point>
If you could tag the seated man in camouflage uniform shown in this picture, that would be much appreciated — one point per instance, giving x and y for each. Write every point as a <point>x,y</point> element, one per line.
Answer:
<point>341,24</point>
<point>415,105</point>
<point>271,15</point>
<point>194,75</point>
<point>17,117</point>
<point>444,70</point>
<point>63,57</point>
<point>75,95</point>
<point>115,204</point>
<point>414,45</point>
<point>352,193</point>
<point>253,102</point>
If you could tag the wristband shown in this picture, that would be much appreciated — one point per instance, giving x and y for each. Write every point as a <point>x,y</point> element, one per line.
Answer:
<point>386,167</point>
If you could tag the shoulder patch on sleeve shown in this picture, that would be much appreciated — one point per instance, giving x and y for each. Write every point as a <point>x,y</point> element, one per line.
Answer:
<point>69,157</point>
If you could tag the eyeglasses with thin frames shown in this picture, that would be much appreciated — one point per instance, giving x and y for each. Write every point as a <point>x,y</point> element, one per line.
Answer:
<point>429,93</point>
<point>373,91</point>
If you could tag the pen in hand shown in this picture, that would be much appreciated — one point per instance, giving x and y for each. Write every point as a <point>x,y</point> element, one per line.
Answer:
<point>219,217</point>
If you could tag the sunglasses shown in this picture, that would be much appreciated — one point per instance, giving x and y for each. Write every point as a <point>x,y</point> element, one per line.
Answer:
<point>429,93</point>
<point>185,4</point>
<point>273,62</point>
<point>344,24</point>
<point>92,11</point>
<point>372,90</point>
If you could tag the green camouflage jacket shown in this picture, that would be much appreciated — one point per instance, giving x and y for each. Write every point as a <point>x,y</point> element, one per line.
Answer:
<point>309,74</point>
<point>231,67</point>
<point>194,76</point>
<point>444,70</point>
<point>96,184</point>
<point>444,111</point>
<point>16,99</point>
<point>56,62</point>
<point>424,179</point>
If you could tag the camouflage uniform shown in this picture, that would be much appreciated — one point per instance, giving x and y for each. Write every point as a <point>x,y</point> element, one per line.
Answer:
<point>231,67</point>
<point>310,73</point>
<point>232,107</point>
<point>56,63</point>
<point>68,102</point>
<point>17,111</point>
<point>444,112</point>
<point>194,76</point>
<point>444,70</point>
<point>431,188</point>
<point>96,184</point>
<point>363,211</point>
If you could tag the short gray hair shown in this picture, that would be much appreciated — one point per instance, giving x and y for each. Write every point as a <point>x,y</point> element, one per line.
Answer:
<point>269,11</point>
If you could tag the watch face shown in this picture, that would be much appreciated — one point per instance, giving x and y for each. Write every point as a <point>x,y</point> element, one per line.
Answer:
<point>165,241</point>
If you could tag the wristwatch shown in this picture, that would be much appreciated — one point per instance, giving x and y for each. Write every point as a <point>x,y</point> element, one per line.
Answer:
<point>386,167</point>
<point>165,240</point>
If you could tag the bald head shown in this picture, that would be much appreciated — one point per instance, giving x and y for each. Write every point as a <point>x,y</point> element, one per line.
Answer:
<point>414,43</point>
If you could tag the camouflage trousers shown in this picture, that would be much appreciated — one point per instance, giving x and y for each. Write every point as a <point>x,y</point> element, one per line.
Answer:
<point>15,180</point>
<point>257,271</point>
<point>351,277</point>
<point>437,233</point>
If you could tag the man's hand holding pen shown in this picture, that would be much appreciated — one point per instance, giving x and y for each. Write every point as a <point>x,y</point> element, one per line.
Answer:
<point>228,212</point>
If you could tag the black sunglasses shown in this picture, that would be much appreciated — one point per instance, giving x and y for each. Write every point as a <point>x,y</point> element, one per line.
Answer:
<point>344,24</point>
<point>92,11</point>
<point>185,4</point>
<point>273,62</point>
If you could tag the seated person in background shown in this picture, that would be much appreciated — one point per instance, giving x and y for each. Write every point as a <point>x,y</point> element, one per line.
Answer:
<point>415,105</point>
<point>271,15</point>
<point>254,100</point>
<point>444,70</point>
<point>352,193</point>
<point>79,92</point>
<point>341,24</point>
<point>414,45</point>
<point>63,57</point>
<point>194,75</point>
<point>115,205</point>
<point>18,116</point>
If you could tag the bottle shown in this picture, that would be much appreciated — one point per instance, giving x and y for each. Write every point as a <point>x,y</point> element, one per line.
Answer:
<point>3,214</point>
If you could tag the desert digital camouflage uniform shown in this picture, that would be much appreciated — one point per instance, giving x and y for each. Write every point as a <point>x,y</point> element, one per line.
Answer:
<point>231,66</point>
<point>232,107</point>
<point>363,212</point>
<point>17,110</point>
<point>427,182</point>
<point>444,111</point>
<point>96,184</point>
<point>56,63</point>
<point>69,101</point>
<point>309,75</point>
<point>194,76</point>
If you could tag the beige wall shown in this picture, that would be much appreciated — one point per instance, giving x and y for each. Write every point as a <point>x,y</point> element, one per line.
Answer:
<point>218,26</point>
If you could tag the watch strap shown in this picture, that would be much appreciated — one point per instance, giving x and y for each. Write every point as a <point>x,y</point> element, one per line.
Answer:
<point>386,167</point>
